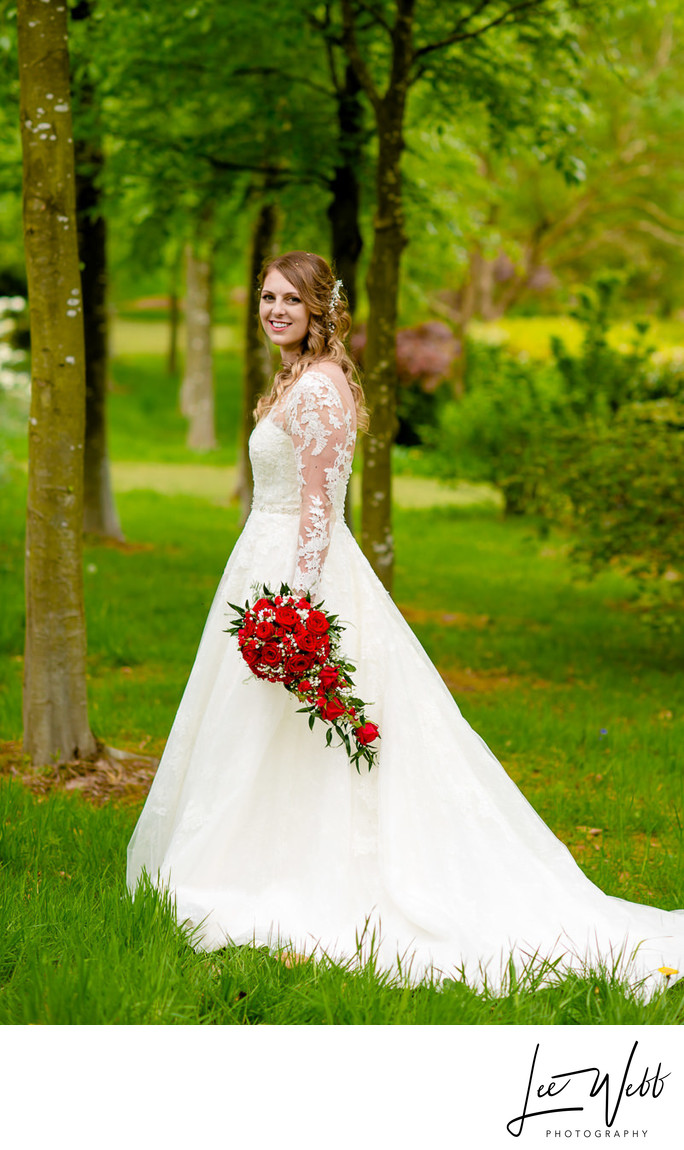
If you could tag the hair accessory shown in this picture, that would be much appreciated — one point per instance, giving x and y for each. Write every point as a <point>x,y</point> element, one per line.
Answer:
<point>335,294</point>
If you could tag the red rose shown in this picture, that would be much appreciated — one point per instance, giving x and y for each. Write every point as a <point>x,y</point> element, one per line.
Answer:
<point>271,655</point>
<point>333,709</point>
<point>286,617</point>
<point>297,664</point>
<point>328,677</point>
<point>306,642</point>
<point>368,733</point>
<point>305,686</point>
<point>264,629</point>
<point>261,604</point>
<point>317,623</point>
<point>324,646</point>
<point>248,626</point>
<point>250,653</point>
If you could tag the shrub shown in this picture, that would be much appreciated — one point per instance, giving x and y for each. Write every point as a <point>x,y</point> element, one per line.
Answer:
<point>496,427</point>
<point>425,359</point>
<point>594,441</point>
<point>618,486</point>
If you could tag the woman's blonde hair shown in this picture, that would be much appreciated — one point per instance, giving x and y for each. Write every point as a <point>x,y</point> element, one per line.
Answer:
<point>329,325</point>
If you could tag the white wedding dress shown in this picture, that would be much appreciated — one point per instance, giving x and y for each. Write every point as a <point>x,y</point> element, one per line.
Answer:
<point>433,860</point>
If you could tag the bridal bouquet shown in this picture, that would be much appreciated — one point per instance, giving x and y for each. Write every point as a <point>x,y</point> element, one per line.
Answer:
<point>287,639</point>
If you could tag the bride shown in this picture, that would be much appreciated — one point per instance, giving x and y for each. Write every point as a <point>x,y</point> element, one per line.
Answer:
<point>433,861</point>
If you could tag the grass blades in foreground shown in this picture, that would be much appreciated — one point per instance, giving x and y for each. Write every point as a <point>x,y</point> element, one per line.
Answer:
<point>75,949</point>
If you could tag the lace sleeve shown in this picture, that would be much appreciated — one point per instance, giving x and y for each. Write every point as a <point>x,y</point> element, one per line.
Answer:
<point>321,429</point>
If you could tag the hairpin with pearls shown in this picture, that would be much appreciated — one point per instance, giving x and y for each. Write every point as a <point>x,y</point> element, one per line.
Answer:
<point>335,294</point>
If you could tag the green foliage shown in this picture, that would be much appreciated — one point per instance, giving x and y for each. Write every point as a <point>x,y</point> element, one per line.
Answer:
<point>594,441</point>
<point>600,378</point>
<point>418,411</point>
<point>618,487</point>
<point>499,422</point>
<point>613,471</point>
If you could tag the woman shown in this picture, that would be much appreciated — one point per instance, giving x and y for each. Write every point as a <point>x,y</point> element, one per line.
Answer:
<point>433,860</point>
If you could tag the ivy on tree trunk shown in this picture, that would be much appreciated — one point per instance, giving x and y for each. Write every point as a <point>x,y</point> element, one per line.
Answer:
<point>55,701</point>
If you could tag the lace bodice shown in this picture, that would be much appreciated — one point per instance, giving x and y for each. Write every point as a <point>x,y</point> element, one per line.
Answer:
<point>301,455</point>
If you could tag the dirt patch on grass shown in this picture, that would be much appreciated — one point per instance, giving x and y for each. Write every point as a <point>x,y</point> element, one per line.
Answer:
<point>122,545</point>
<point>467,680</point>
<point>445,619</point>
<point>111,775</point>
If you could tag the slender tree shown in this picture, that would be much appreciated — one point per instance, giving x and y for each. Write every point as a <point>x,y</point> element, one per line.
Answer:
<point>174,311</point>
<point>389,239</point>
<point>416,33</point>
<point>99,510</point>
<point>197,390</point>
<point>257,364</point>
<point>55,702</point>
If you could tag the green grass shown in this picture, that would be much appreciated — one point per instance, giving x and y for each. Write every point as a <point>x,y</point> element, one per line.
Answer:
<point>581,703</point>
<point>145,423</point>
<point>75,949</point>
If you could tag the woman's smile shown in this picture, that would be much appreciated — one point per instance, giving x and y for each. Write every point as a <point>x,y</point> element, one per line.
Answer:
<point>284,317</point>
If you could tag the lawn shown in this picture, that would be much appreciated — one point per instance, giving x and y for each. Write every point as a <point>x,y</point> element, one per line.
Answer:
<point>581,703</point>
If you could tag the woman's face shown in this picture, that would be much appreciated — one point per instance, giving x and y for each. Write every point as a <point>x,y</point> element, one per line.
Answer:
<point>284,317</point>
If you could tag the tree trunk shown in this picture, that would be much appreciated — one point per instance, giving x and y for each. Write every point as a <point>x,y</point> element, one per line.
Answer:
<point>382,280</point>
<point>174,316</point>
<point>197,390</point>
<point>99,510</point>
<point>345,205</point>
<point>55,701</point>
<point>257,369</point>
<point>380,355</point>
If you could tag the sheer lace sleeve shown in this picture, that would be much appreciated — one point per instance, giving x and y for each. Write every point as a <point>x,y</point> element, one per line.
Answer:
<point>321,427</point>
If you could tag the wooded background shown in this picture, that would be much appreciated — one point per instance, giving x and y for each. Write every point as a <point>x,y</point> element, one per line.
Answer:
<point>466,165</point>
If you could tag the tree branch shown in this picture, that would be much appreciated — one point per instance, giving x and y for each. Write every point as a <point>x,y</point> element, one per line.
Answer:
<point>354,55</point>
<point>458,36</point>
<point>266,70</point>
<point>376,16</point>
<point>659,233</point>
